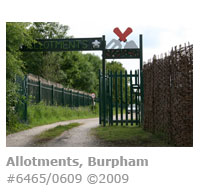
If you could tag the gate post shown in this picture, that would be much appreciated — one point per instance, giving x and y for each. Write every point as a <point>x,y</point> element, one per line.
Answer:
<point>103,83</point>
<point>100,98</point>
<point>141,80</point>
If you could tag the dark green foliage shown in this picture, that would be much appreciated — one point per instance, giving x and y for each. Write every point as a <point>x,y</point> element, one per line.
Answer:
<point>115,66</point>
<point>16,36</point>
<point>81,71</point>
<point>45,64</point>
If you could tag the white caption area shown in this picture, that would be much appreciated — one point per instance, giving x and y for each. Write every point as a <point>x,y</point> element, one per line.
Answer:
<point>168,172</point>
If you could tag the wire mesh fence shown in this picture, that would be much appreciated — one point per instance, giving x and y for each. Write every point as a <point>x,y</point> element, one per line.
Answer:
<point>168,95</point>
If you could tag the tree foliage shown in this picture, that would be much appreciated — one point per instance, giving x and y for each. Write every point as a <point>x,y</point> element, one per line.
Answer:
<point>72,69</point>
<point>45,64</point>
<point>117,67</point>
<point>16,36</point>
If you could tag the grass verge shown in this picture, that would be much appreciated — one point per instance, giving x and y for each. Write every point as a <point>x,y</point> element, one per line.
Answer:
<point>129,136</point>
<point>52,133</point>
<point>41,114</point>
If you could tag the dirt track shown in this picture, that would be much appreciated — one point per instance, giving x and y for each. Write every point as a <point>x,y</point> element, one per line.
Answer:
<point>76,137</point>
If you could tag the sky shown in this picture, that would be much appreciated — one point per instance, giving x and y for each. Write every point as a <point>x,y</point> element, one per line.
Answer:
<point>164,24</point>
<point>156,39</point>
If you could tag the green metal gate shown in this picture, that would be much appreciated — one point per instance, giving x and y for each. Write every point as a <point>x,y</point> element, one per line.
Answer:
<point>133,92</point>
<point>122,98</point>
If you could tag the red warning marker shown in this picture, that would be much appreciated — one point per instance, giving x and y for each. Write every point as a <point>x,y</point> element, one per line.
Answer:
<point>122,36</point>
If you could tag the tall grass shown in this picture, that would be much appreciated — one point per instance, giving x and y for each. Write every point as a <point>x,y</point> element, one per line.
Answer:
<point>41,114</point>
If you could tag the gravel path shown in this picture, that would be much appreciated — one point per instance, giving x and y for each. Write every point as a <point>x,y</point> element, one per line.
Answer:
<point>76,137</point>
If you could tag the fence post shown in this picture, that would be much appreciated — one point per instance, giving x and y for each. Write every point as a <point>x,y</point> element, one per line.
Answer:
<point>87,100</point>
<point>78,96</point>
<point>63,96</point>
<point>40,91</point>
<point>76,100</point>
<point>82,99</point>
<point>52,94</point>
<point>71,98</point>
<point>26,98</point>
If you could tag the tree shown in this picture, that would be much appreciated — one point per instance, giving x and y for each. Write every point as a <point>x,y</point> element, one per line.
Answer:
<point>81,71</point>
<point>71,69</point>
<point>117,67</point>
<point>114,66</point>
<point>48,30</point>
<point>45,64</point>
<point>16,36</point>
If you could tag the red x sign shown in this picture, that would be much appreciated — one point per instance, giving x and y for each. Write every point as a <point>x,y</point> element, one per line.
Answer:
<point>122,36</point>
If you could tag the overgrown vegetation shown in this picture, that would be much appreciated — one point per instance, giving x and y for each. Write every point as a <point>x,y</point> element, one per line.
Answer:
<point>52,133</point>
<point>71,69</point>
<point>41,114</point>
<point>129,136</point>
<point>16,36</point>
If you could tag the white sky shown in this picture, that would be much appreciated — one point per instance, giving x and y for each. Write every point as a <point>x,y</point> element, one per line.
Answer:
<point>163,23</point>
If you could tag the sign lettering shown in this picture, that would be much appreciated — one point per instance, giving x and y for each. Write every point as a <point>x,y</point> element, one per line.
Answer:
<point>66,45</point>
<point>122,53</point>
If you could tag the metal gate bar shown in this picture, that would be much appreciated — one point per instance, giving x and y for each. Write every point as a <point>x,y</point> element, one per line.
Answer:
<point>121,97</point>
<point>126,97</point>
<point>118,96</point>
<point>131,97</point>
<point>111,99</point>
